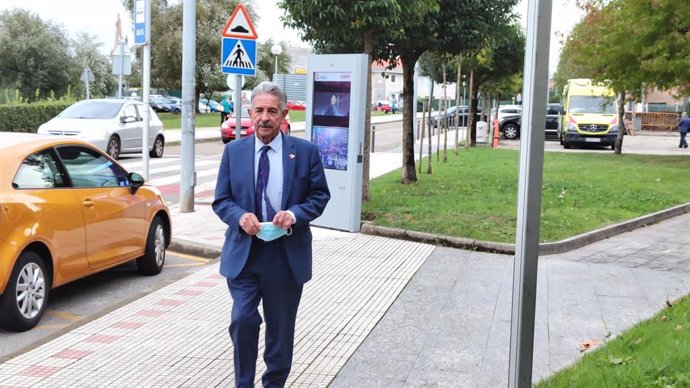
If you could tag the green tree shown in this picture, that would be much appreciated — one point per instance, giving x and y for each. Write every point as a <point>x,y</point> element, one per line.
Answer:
<point>265,65</point>
<point>398,29</point>
<point>35,55</point>
<point>166,35</point>
<point>631,45</point>
<point>87,52</point>
<point>365,26</point>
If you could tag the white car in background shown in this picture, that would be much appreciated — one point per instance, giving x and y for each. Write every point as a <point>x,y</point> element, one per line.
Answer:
<point>506,110</point>
<point>113,125</point>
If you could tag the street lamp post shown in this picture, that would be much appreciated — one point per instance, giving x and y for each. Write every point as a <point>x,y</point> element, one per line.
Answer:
<point>276,49</point>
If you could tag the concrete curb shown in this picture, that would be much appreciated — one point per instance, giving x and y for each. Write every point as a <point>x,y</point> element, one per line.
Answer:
<point>204,140</point>
<point>550,248</point>
<point>194,248</point>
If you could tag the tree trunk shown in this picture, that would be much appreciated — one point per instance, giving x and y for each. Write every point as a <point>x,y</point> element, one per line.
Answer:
<point>431,100</point>
<point>421,136</point>
<point>445,114</point>
<point>366,160</point>
<point>409,174</point>
<point>457,104</point>
<point>621,124</point>
<point>471,125</point>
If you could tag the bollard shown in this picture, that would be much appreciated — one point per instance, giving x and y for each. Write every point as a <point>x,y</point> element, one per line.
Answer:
<point>373,138</point>
<point>497,134</point>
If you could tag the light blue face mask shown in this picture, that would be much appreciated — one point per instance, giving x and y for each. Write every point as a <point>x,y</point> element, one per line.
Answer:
<point>270,232</point>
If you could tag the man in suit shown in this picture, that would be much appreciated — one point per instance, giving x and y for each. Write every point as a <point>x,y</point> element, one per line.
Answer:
<point>286,196</point>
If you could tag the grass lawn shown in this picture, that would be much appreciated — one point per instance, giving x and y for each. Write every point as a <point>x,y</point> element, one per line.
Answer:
<point>654,353</point>
<point>174,120</point>
<point>474,194</point>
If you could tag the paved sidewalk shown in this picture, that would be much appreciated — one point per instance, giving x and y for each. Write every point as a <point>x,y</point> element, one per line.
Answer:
<point>379,312</point>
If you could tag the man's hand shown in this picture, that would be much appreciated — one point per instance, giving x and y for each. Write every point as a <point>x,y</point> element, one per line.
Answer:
<point>249,223</point>
<point>283,219</point>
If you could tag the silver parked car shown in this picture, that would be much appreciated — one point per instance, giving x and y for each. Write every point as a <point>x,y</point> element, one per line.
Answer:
<point>113,125</point>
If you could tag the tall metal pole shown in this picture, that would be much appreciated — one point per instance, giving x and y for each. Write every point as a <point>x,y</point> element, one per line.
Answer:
<point>122,68</point>
<point>238,111</point>
<point>188,175</point>
<point>146,94</point>
<point>529,194</point>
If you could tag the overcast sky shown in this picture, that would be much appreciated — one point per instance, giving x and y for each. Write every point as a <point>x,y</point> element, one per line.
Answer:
<point>98,17</point>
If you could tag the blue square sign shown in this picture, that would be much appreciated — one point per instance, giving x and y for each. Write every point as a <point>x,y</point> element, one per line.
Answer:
<point>239,56</point>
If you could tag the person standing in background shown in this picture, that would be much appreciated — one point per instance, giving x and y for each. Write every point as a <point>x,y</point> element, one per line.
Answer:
<point>226,105</point>
<point>683,126</point>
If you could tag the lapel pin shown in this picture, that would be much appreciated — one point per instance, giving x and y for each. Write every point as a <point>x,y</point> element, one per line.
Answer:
<point>291,156</point>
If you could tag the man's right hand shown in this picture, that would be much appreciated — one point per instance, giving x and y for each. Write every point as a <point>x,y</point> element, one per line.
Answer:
<point>249,223</point>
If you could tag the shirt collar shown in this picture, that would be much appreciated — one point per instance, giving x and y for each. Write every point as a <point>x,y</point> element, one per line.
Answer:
<point>276,144</point>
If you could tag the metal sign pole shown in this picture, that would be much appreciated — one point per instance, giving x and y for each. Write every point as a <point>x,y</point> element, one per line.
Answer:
<point>188,176</point>
<point>529,194</point>
<point>237,107</point>
<point>122,68</point>
<point>146,96</point>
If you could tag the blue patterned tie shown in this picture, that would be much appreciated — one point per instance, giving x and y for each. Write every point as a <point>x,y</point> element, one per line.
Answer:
<point>261,184</point>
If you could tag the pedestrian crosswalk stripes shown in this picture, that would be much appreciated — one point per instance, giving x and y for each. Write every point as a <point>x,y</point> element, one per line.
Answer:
<point>165,173</point>
<point>176,167</point>
<point>176,178</point>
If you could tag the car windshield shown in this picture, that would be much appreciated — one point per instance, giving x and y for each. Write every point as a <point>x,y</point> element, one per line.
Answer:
<point>591,104</point>
<point>92,110</point>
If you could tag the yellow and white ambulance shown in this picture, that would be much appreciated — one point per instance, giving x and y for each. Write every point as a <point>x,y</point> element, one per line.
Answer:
<point>589,114</point>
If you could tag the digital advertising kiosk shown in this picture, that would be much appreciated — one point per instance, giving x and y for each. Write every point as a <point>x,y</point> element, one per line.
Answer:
<point>334,121</point>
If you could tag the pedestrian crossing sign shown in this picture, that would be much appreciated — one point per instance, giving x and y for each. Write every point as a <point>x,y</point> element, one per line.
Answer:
<point>239,56</point>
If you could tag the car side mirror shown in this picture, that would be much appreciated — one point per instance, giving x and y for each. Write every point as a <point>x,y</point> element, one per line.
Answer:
<point>135,181</point>
<point>122,120</point>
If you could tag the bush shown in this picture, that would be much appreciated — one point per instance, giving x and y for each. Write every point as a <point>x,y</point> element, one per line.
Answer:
<point>23,117</point>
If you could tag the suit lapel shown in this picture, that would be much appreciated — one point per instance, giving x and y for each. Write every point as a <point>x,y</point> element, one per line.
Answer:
<point>289,161</point>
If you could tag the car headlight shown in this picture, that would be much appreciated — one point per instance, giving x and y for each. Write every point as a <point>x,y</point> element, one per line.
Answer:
<point>572,127</point>
<point>613,128</point>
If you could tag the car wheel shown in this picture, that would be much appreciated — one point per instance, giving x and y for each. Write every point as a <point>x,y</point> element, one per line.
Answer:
<point>566,144</point>
<point>560,138</point>
<point>154,255</point>
<point>113,148</point>
<point>26,295</point>
<point>158,147</point>
<point>510,131</point>
<point>226,141</point>
<point>613,147</point>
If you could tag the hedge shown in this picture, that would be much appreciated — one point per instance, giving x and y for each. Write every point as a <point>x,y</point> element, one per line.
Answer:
<point>28,117</point>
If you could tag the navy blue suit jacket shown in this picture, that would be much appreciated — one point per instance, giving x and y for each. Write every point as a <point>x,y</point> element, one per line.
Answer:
<point>305,193</point>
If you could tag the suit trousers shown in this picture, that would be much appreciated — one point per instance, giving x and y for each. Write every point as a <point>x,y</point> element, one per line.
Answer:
<point>267,278</point>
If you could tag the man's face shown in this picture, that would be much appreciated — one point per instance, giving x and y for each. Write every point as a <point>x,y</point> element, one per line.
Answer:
<point>267,116</point>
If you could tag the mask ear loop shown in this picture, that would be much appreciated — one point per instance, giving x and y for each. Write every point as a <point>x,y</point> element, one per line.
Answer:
<point>289,231</point>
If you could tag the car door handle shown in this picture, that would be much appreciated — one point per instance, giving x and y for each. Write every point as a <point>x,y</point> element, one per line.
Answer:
<point>88,203</point>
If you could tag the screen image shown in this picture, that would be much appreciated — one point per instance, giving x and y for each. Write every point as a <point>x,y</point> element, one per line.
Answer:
<point>331,117</point>
<point>332,145</point>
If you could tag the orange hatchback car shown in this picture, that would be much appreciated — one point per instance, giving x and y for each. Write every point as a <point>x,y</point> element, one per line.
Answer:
<point>67,211</point>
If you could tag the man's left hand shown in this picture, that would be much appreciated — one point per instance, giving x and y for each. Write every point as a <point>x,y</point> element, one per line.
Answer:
<point>283,219</point>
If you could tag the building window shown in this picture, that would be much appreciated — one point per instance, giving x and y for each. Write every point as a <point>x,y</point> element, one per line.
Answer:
<point>393,78</point>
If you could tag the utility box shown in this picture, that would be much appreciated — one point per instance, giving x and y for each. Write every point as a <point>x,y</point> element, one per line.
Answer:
<point>482,131</point>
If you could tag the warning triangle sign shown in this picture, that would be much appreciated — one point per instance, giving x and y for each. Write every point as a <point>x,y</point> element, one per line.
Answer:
<point>239,25</point>
<point>238,58</point>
